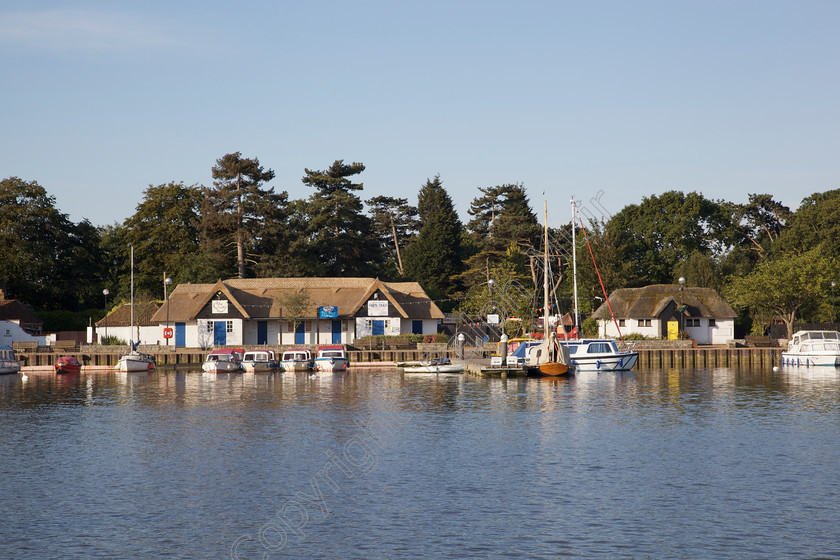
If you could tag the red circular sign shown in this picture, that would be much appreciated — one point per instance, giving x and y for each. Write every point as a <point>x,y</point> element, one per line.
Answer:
<point>167,332</point>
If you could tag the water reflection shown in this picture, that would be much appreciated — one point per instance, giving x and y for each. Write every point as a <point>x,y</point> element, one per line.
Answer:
<point>659,463</point>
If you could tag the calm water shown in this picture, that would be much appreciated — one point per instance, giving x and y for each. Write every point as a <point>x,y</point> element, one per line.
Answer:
<point>692,463</point>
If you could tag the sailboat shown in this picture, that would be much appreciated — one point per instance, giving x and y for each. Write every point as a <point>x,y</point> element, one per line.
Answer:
<point>549,358</point>
<point>594,354</point>
<point>134,360</point>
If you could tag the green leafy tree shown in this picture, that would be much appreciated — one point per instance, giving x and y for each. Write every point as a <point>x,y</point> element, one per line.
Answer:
<point>295,305</point>
<point>763,219</point>
<point>48,261</point>
<point>233,212</point>
<point>164,231</point>
<point>395,224</point>
<point>340,233</point>
<point>434,258</point>
<point>782,285</point>
<point>661,231</point>
<point>816,221</point>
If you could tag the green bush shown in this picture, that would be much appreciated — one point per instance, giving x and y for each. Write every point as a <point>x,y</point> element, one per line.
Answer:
<point>513,329</point>
<point>589,327</point>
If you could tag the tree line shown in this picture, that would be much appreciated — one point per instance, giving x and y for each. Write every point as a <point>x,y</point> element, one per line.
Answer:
<point>767,260</point>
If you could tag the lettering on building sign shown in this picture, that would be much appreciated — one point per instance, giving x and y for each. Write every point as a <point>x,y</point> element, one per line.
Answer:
<point>377,308</point>
<point>219,306</point>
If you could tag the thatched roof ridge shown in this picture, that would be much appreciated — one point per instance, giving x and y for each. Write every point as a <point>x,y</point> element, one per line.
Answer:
<point>121,316</point>
<point>262,298</point>
<point>649,301</point>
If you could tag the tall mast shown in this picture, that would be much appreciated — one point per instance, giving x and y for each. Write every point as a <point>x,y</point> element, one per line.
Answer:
<point>132,290</point>
<point>545,272</point>
<point>574,263</point>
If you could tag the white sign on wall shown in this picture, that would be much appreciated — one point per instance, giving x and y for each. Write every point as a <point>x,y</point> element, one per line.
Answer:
<point>219,306</point>
<point>377,308</point>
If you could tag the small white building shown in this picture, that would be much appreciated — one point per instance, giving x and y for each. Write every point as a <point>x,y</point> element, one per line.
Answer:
<point>11,332</point>
<point>663,310</point>
<point>289,311</point>
<point>118,324</point>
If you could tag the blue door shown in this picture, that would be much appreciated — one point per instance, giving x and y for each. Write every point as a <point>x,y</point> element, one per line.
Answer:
<point>336,332</point>
<point>378,327</point>
<point>262,332</point>
<point>220,333</point>
<point>180,335</point>
<point>299,336</point>
<point>417,327</point>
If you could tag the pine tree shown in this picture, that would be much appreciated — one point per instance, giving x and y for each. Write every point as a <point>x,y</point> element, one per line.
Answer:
<point>233,212</point>
<point>434,259</point>
<point>340,234</point>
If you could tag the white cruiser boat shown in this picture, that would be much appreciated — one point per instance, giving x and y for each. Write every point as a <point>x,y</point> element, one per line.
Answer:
<point>331,358</point>
<point>223,360</point>
<point>599,354</point>
<point>256,361</point>
<point>297,359</point>
<point>813,348</point>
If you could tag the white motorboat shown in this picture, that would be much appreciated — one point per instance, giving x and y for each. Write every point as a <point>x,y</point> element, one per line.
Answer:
<point>8,361</point>
<point>599,354</point>
<point>256,361</point>
<point>223,360</point>
<point>441,365</point>
<point>297,359</point>
<point>331,358</point>
<point>813,348</point>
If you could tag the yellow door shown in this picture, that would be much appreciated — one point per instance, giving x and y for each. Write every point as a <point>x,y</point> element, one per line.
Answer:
<point>673,330</point>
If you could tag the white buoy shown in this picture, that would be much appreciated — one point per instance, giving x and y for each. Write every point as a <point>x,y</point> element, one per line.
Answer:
<point>775,368</point>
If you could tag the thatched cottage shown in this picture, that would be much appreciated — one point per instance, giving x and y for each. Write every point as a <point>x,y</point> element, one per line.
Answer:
<point>663,310</point>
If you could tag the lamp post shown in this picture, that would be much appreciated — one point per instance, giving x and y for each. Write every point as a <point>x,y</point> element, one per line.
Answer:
<point>166,283</point>
<point>833,283</point>
<point>681,280</point>
<point>105,293</point>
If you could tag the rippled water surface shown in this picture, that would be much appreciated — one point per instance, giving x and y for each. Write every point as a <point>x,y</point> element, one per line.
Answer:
<point>692,463</point>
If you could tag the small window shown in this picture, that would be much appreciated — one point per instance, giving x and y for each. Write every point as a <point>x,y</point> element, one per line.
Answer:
<point>621,322</point>
<point>209,326</point>
<point>644,322</point>
<point>229,327</point>
<point>712,322</point>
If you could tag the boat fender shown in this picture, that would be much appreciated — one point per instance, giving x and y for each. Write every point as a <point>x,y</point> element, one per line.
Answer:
<point>621,362</point>
<point>597,364</point>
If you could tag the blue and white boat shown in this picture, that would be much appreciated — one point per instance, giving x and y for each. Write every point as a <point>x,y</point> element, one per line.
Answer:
<point>331,358</point>
<point>599,354</point>
<point>297,359</point>
<point>8,362</point>
<point>813,348</point>
<point>256,361</point>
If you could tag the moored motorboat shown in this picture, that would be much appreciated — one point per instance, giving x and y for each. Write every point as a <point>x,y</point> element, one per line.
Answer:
<point>813,348</point>
<point>67,364</point>
<point>297,359</point>
<point>8,361</point>
<point>331,358</point>
<point>223,360</point>
<point>599,354</point>
<point>255,361</point>
<point>438,365</point>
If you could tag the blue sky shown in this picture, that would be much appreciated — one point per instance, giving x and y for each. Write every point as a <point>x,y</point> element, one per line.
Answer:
<point>611,99</point>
